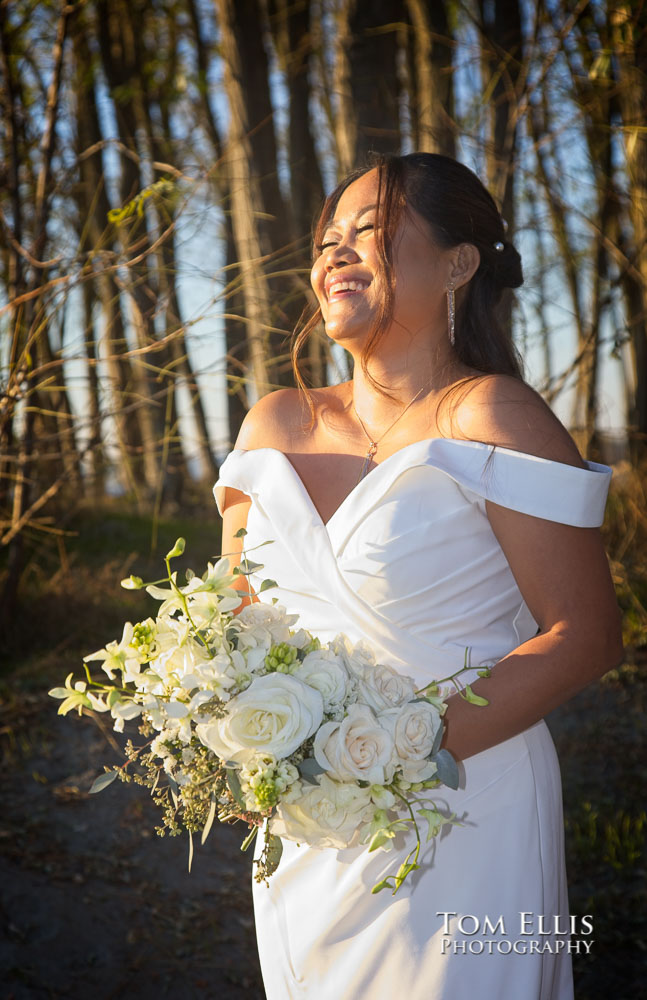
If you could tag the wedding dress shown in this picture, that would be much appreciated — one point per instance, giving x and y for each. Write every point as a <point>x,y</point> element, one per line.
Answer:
<point>410,563</point>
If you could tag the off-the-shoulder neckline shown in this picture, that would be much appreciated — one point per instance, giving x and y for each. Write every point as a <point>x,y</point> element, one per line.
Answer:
<point>364,483</point>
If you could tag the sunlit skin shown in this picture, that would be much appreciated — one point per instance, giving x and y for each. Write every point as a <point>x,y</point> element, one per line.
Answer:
<point>562,571</point>
<point>415,351</point>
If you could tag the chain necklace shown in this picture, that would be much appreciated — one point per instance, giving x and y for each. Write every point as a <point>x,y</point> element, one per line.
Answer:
<point>373,444</point>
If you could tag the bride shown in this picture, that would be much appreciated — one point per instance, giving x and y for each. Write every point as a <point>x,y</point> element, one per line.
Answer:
<point>434,506</point>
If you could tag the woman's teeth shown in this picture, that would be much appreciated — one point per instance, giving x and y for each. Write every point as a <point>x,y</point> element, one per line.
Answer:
<point>348,286</point>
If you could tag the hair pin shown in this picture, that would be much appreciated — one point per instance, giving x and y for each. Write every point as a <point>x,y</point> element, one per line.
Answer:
<point>498,246</point>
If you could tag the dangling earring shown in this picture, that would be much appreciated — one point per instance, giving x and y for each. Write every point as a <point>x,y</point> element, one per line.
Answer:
<point>451,312</point>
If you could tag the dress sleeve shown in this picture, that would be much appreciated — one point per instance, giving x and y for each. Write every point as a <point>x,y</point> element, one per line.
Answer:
<point>537,486</point>
<point>232,474</point>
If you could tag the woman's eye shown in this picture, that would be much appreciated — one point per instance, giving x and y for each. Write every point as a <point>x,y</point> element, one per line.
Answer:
<point>324,246</point>
<point>364,228</point>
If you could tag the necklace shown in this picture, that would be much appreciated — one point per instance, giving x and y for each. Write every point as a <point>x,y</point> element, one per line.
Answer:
<point>373,445</point>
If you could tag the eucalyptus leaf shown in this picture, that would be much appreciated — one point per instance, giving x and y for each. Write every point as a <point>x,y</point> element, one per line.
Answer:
<point>273,854</point>
<point>308,769</point>
<point>267,585</point>
<point>241,533</point>
<point>447,768</point>
<point>248,566</point>
<point>103,781</point>
<point>438,738</point>
<point>234,787</point>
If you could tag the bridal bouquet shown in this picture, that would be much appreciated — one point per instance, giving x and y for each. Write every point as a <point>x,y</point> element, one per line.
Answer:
<point>249,717</point>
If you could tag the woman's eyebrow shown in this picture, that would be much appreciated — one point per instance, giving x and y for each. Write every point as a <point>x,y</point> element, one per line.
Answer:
<point>362,211</point>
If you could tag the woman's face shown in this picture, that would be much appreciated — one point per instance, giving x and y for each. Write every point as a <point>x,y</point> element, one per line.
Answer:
<point>346,276</point>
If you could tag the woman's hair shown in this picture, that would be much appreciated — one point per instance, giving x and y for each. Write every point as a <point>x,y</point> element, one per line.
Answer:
<point>458,209</point>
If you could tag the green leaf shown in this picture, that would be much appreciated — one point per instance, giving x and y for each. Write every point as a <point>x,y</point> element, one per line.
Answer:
<point>267,585</point>
<point>241,533</point>
<point>249,566</point>
<point>210,819</point>
<point>234,787</point>
<point>486,672</point>
<point>438,738</point>
<point>273,854</point>
<point>190,850</point>
<point>103,781</point>
<point>474,699</point>
<point>447,768</point>
<point>177,549</point>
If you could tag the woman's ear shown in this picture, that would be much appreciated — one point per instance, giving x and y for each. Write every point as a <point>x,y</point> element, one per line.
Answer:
<point>466,260</point>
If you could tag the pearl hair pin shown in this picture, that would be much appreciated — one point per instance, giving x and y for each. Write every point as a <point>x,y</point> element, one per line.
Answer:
<point>498,246</point>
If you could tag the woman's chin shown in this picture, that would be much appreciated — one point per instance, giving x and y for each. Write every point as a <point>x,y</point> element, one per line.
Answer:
<point>347,330</point>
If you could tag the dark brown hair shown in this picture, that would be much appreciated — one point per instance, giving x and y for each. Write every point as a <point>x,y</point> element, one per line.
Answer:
<point>458,209</point>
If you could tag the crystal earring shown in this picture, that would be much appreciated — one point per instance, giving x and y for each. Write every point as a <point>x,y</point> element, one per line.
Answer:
<point>451,312</point>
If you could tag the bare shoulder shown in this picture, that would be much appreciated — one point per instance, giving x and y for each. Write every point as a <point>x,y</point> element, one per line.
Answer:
<point>505,411</point>
<point>282,419</point>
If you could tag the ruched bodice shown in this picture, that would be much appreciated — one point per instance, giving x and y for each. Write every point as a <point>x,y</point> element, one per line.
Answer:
<point>409,559</point>
<point>410,563</point>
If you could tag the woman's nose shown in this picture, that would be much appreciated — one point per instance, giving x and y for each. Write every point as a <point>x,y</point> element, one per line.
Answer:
<point>339,255</point>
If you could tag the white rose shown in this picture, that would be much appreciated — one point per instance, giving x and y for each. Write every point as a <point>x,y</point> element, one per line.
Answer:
<point>381,687</point>
<point>414,728</point>
<point>273,716</point>
<point>355,657</point>
<point>328,814</point>
<point>356,749</point>
<point>264,625</point>
<point>325,672</point>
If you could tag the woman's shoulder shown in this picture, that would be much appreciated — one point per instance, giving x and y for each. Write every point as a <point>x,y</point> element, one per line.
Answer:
<point>505,411</point>
<point>283,417</point>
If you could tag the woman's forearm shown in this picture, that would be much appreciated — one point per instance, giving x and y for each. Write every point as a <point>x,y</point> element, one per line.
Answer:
<point>524,686</point>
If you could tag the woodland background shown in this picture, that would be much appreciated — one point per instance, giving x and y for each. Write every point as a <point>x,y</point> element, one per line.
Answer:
<point>161,164</point>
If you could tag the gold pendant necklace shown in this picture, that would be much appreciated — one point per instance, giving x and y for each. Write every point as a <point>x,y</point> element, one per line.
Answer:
<point>374,444</point>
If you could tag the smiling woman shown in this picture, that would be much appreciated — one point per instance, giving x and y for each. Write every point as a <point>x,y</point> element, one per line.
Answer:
<point>434,506</point>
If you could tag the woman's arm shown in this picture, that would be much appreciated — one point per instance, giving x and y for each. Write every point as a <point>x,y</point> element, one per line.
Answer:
<point>266,424</point>
<point>235,507</point>
<point>563,575</point>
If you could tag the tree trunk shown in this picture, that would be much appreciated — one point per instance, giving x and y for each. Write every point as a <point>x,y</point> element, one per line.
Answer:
<point>629,32</point>
<point>375,95</point>
<point>433,108</point>
<point>292,32</point>
<point>502,54</point>
<point>97,238</point>
<point>246,204</point>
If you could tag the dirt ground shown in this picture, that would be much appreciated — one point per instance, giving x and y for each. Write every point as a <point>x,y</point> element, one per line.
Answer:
<point>94,905</point>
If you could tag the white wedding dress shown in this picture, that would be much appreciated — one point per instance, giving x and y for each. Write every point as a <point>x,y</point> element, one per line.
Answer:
<point>409,562</point>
